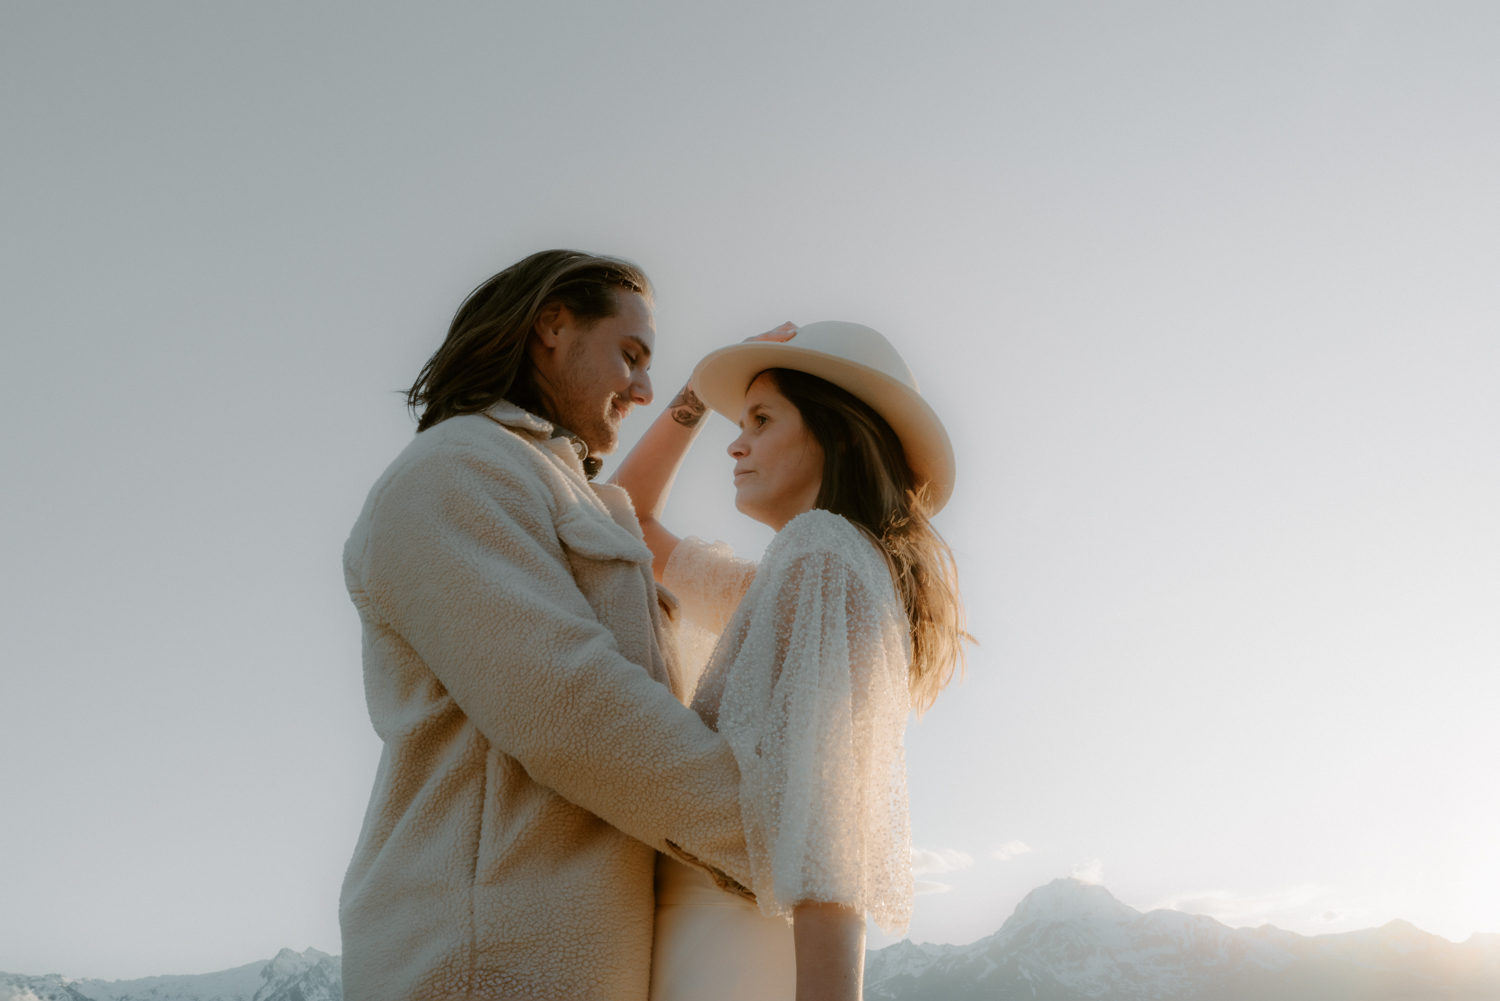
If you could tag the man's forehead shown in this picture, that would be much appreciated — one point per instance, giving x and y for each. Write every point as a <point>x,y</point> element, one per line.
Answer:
<point>642,325</point>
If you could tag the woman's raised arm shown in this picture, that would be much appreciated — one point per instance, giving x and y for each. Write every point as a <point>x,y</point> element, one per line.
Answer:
<point>648,471</point>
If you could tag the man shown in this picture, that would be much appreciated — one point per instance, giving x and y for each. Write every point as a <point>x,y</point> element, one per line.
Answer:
<point>520,670</point>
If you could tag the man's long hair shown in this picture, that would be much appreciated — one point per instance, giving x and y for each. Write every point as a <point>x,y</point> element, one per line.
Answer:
<point>484,358</point>
<point>867,479</point>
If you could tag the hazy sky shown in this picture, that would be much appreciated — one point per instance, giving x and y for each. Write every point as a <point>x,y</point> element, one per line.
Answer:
<point>1207,294</point>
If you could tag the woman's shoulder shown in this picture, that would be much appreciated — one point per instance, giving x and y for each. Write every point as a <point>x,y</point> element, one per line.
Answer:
<point>815,530</point>
<point>823,533</point>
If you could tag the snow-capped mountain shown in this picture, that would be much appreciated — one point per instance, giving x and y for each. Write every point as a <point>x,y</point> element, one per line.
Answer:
<point>1069,941</point>
<point>291,976</point>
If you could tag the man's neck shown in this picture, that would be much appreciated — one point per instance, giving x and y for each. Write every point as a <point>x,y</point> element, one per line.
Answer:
<point>591,463</point>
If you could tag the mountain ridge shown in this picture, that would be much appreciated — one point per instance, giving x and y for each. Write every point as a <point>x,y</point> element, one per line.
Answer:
<point>1071,941</point>
<point>1065,941</point>
<point>309,975</point>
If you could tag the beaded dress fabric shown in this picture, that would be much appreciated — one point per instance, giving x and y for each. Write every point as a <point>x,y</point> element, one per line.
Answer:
<point>808,683</point>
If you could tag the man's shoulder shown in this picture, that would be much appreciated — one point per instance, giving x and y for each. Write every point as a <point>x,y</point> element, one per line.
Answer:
<point>465,455</point>
<point>482,434</point>
<point>470,440</point>
<point>467,471</point>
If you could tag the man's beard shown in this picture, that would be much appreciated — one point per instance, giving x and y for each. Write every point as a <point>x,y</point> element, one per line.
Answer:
<point>601,431</point>
<point>586,416</point>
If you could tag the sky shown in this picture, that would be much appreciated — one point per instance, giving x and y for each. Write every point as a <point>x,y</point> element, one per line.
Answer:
<point>1205,293</point>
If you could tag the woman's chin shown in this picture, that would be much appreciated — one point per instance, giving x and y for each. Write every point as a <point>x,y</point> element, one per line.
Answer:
<point>751,510</point>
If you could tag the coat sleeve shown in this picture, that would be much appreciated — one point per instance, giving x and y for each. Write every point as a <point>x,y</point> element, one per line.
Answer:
<point>815,708</point>
<point>462,561</point>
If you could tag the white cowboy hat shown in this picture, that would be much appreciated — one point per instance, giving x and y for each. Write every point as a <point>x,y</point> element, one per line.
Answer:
<point>852,357</point>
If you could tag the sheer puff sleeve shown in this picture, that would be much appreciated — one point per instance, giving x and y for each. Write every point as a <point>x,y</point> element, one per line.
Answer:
<point>811,691</point>
<point>708,581</point>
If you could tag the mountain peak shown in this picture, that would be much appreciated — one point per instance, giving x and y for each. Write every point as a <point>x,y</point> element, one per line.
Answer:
<point>1070,939</point>
<point>1068,899</point>
<point>1074,940</point>
<point>291,963</point>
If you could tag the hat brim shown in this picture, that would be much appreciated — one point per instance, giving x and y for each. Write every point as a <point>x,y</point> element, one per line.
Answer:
<point>723,377</point>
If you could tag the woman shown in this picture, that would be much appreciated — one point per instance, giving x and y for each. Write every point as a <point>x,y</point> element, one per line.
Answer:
<point>852,617</point>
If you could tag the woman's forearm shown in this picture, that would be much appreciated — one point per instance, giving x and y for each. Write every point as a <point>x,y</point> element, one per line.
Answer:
<point>648,471</point>
<point>830,941</point>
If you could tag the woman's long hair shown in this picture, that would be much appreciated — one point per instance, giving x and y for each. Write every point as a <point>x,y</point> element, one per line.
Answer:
<point>866,479</point>
<point>484,358</point>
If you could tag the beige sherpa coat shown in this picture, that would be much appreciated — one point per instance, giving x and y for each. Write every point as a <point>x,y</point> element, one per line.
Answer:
<point>517,667</point>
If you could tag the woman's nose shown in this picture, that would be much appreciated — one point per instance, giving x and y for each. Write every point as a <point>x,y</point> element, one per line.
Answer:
<point>737,448</point>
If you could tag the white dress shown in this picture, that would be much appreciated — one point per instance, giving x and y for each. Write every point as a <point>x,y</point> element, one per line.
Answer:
<point>808,683</point>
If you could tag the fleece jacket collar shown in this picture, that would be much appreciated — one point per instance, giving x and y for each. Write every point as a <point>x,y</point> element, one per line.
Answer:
<point>559,439</point>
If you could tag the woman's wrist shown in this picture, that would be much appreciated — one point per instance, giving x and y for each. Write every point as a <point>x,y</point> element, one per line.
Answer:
<point>830,951</point>
<point>686,409</point>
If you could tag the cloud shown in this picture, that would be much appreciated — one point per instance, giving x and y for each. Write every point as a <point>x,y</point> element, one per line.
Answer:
<point>1291,905</point>
<point>1089,871</point>
<point>1010,850</point>
<point>1304,908</point>
<point>924,861</point>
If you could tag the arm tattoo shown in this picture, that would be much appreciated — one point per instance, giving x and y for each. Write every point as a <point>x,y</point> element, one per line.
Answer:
<point>687,409</point>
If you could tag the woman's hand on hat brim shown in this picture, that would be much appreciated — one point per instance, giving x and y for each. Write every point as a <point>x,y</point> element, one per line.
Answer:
<point>781,334</point>
<point>785,332</point>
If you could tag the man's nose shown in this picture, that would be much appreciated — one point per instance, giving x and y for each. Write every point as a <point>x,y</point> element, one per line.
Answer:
<point>640,390</point>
